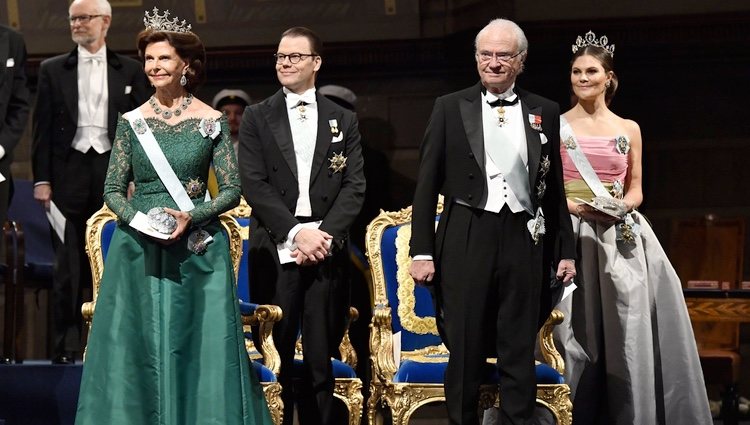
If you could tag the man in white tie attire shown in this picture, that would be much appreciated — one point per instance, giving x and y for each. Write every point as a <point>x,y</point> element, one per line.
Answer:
<point>302,173</point>
<point>79,96</point>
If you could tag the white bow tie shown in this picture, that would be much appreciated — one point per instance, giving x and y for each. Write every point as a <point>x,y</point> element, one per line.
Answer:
<point>294,99</point>
<point>86,56</point>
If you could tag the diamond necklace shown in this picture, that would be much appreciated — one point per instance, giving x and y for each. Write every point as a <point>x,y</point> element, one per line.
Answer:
<point>166,113</point>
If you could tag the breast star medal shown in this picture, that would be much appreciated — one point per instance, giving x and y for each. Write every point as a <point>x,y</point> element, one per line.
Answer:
<point>338,162</point>
<point>194,187</point>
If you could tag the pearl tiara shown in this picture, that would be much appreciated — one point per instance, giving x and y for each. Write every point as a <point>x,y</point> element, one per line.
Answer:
<point>590,40</point>
<point>162,22</point>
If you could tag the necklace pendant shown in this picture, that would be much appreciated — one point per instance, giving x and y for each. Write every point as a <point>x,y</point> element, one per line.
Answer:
<point>167,114</point>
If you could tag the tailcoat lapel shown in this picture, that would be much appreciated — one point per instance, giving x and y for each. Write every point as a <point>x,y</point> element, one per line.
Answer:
<point>69,84</point>
<point>471,114</point>
<point>323,139</point>
<point>533,141</point>
<point>4,51</point>
<point>277,116</point>
<point>115,89</point>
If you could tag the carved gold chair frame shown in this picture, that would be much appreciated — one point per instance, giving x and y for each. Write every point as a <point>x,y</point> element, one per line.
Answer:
<point>265,315</point>
<point>348,390</point>
<point>403,399</point>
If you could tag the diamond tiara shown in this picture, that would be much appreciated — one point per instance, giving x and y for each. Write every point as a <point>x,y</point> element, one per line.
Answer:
<point>159,22</point>
<point>590,40</point>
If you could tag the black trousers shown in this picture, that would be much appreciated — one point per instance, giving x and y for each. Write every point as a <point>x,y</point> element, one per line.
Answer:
<point>488,304</point>
<point>77,191</point>
<point>314,301</point>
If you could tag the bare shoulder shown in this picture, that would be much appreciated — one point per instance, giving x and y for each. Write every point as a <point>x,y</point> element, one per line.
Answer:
<point>201,109</point>
<point>632,129</point>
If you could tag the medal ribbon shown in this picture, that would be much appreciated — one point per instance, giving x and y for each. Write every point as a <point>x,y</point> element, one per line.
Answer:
<point>581,162</point>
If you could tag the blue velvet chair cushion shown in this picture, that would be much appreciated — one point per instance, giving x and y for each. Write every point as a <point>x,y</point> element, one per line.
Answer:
<point>413,372</point>
<point>108,230</point>
<point>264,374</point>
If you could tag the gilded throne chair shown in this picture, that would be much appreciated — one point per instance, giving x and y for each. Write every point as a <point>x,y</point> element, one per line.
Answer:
<point>99,230</point>
<point>408,358</point>
<point>347,386</point>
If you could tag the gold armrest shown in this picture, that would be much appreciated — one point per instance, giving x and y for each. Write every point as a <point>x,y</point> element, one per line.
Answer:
<point>547,345</point>
<point>381,344</point>
<point>348,355</point>
<point>264,317</point>
<point>87,311</point>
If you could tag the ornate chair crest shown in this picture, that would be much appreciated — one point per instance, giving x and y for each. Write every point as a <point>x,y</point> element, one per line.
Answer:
<point>99,230</point>
<point>347,386</point>
<point>405,379</point>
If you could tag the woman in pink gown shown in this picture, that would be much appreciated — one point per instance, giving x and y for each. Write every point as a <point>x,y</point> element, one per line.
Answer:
<point>630,353</point>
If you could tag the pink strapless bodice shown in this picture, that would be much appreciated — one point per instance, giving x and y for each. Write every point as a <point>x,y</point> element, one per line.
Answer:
<point>609,164</point>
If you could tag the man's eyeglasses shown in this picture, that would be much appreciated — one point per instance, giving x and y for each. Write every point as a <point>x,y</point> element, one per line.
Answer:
<point>294,58</point>
<point>504,57</point>
<point>84,19</point>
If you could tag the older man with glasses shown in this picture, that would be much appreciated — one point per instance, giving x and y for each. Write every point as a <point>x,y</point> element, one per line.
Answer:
<point>493,151</point>
<point>79,96</point>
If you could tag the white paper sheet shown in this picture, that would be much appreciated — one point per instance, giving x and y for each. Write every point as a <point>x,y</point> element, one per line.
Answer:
<point>396,342</point>
<point>57,220</point>
<point>568,289</point>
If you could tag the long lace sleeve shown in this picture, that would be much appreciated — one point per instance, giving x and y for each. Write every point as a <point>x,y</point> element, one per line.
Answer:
<point>119,173</point>
<point>227,177</point>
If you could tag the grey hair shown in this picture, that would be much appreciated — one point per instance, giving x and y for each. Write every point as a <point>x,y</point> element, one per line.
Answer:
<point>505,24</point>
<point>103,7</point>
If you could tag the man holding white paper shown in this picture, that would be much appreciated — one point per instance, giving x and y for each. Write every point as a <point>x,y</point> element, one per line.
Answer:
<point>79,96</point>
<point>302,173</point>
<point>14,110</point>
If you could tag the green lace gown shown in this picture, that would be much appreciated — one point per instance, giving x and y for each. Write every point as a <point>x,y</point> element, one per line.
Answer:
<point>166,344</point>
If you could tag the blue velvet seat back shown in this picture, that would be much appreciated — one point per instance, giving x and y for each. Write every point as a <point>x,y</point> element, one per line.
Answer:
<point>108,230</point>
<point>423,299</point>
<point>24,209</point>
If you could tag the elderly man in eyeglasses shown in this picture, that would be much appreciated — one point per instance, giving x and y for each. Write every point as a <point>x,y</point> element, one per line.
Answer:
<point>79,96</point>
<point>302,173</point>
<point>493,151</point>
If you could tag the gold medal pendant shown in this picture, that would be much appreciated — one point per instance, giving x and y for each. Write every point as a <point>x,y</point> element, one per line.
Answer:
<point>301,109</point>
<point>501,120</point>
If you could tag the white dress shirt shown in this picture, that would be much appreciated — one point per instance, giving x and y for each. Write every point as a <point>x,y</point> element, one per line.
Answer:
<point>304,126</point>
<point>513,134</point>
<point>93,98</point>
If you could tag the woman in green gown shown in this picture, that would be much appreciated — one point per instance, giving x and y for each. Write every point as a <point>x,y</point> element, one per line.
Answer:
<point>166,344</point>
